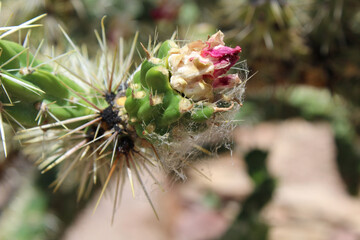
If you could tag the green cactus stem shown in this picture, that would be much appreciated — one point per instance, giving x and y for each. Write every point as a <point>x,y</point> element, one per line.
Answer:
<point>31,87</point>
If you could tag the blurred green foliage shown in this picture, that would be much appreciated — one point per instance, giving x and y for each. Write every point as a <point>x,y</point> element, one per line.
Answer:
<point>248,224</point>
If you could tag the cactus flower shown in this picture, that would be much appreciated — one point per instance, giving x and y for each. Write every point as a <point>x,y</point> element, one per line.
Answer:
<point>200,67</point>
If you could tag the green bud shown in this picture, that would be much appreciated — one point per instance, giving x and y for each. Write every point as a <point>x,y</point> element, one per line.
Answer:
<point>202,113</point>
<point>165,47</point>
<point>145,66</point>
<point>157,80</point>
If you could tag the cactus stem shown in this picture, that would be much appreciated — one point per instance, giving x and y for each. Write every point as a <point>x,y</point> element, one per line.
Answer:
<point>135,86</point>
<point>21,83</point>
<point>6,93</point>
<point>116,124</point>
<point>6,114</point>
<point>12,58</point>
<point>57,120</point>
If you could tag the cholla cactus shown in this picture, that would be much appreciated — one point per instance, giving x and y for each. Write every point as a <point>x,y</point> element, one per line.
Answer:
<point>182,98</point>
<point>269,28</point>
<point>97,119</point>
<point>181,82</point>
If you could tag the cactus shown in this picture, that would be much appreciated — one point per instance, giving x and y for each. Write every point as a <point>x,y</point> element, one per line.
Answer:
<point>153,106</point>
<point>181,83</point>
<point>272,32</point>
<point>35,90</point>
<point>102,123</point>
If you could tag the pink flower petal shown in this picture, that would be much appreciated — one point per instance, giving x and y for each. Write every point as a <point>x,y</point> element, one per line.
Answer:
<point>221,51</point>
<point>222,57</point>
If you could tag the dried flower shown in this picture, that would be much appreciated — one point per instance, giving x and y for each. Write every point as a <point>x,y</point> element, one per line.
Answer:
<point>200,67</point>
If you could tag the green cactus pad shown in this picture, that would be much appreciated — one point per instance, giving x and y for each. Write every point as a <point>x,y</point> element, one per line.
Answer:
<point>11,49</point>
<point>48,82</point>
<point>26,91</point>
<point>30,87</point>
<point>6,54</point>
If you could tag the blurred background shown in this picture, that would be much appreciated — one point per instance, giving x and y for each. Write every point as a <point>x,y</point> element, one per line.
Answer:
<point>295,166</point>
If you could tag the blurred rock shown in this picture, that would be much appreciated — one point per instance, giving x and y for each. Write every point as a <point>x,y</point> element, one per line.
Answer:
<point>204,206</point>
<point>310,201</point>
<point>134,218</point>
